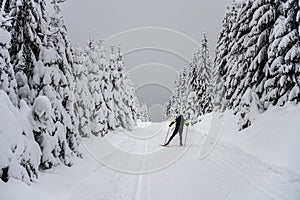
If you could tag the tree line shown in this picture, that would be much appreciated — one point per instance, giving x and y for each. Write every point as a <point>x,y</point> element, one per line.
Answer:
<point>256,64</point>
<point>64,93</point>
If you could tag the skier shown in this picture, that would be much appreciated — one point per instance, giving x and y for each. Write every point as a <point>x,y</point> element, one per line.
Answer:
<point>178,128</point>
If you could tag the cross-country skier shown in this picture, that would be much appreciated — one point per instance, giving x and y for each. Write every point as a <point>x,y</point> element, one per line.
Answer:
<point>180,122</point>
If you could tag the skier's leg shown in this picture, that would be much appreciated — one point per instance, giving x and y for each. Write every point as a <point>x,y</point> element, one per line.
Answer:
<point>172,136</point>
<point>180,137</point>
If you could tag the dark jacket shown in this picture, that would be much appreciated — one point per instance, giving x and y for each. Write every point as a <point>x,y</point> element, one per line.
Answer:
<point>179,123</point>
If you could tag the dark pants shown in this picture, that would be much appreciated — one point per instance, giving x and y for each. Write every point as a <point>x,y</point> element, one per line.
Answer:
<point>176,130</point>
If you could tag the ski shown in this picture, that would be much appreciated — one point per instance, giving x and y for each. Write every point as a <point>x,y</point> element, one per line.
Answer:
<point>163,145</point>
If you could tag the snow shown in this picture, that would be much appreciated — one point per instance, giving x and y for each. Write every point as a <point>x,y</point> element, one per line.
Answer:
<point>42,107</point>
<point>18,150</point>
<point>273,136</point>
<point>4,37</point>
<point>259,162</point>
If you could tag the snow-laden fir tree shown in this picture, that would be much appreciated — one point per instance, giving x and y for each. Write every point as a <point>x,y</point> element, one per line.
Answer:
<point>115,90</point>
<point>107,87</point>
<point>40,70</point>
<point>95,75</point>
<point>166,111</point>
<point>50,81</point>
<point>131,98</point>
<point>29,27</point>
<point>170,108</point>
<point>256,42</point>
<point>263,57</point>
<point>282,81</point>
<point>193,92</point>
<point>81,93</point>
<point>123,114</point>
<point>126,91</point>
<point>233,71</point>
<point>62,44</point>
<point>178,101</point>
<point>223,47</point>
<point>143,114</point>
<point>7,75</point>
<point>181,91</point>
<point>201,78</point>
<point>190,111</point>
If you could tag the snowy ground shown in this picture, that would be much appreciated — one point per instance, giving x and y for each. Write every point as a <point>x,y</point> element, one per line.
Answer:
<point>113,168</point>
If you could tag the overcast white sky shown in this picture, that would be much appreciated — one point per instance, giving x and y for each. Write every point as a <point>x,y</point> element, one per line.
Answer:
<point>104,18</point>
<point>108,17</point>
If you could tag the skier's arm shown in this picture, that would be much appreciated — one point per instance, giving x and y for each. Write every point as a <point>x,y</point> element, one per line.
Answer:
<point>172,122</point>
<point>186,123</point>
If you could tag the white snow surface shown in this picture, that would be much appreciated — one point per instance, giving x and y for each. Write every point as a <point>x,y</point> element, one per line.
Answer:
<point>260,162</point>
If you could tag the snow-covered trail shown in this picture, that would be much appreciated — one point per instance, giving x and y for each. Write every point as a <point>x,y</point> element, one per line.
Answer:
<point>227,173</point>
<point>113,168</point>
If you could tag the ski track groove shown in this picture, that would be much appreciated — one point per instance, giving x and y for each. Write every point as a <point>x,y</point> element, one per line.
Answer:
<point>252,174</point>
<point>237,175</point>
<point>148,178</point>
<point>143,177</point>
<point>248,173</point>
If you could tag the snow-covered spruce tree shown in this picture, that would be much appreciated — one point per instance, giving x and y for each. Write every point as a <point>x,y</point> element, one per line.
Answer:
<point>264,57</point>
<point>282,72</point>
<point>126,92</point>
<point>181,91</point>
<point>98,107</point>
<point>50,81</point>
<point>176,106</point>
<point>41,71</point>
<point>82,94</point>
<point>166,111</point>
<point>223,47</point>
<point>115,90</point>
<point>193,87</point>
<point>143,115</point>
<point>62,44</point>
<point>191,113</point>
<point>178,101</point>
<point>107,87</point>
<point>172,105</point>
<point>263,15</point>
<point>7,75</point>
<point>123,113</point>
<point>131,99</point>
<point>233,72</point>
<point>29,27</point>
<point>201,78</point>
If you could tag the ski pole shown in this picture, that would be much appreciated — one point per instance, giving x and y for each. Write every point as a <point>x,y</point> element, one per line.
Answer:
<point>187,130</point>
<point>167,135</point>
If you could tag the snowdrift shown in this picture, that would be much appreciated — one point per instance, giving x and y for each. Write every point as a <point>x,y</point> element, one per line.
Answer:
<point>273,137</point>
